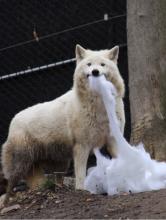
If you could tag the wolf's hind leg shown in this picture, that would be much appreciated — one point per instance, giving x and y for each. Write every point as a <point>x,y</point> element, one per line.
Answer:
<point>19,171</point>
<point>12,181</point>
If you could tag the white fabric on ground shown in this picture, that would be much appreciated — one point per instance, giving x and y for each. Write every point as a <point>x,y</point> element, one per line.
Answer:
<point>133,170</point>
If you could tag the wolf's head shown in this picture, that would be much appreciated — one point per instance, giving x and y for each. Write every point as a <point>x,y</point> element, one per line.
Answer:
<point>95,63</point>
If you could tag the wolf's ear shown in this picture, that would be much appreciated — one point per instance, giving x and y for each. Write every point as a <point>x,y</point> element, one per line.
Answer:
<point>114,54</point>
<point>80,53</point>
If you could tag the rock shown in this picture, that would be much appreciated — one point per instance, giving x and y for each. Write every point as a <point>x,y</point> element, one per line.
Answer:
<point>42,206</point>
<point>10,208</point>
<point>89,200</point>
<point>34,201</point>
<point>20,188</point>
<point>69,181</point>
<point>57,201</point>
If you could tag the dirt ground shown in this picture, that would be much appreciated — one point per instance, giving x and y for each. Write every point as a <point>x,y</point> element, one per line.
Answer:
<point>65,203</point>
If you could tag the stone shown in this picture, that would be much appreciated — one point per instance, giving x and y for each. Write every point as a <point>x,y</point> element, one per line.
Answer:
<point>10,208</point>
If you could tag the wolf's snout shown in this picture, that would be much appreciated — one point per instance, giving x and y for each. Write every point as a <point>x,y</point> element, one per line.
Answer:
<point>95,73</point>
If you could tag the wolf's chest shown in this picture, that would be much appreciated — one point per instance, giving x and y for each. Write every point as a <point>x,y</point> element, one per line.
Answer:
<point>96,126</point>
<point>98,132</point>
<point>99,122</point>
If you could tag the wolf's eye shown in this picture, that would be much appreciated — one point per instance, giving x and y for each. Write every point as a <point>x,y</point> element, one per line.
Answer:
<point>102,64</point>
<point>89,64</point>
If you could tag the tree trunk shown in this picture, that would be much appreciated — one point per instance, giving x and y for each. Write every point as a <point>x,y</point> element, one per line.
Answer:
<point>146,30</point>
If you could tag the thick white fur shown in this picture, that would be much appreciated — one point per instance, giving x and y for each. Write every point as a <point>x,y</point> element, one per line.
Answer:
<point>77,118</point>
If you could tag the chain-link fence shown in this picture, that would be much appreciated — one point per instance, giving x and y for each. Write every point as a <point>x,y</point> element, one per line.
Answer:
<point>37,44</point>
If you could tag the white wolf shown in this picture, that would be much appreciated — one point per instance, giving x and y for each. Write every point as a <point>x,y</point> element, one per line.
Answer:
<point>71,125</point>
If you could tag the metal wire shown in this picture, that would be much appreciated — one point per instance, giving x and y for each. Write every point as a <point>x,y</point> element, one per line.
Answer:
<point>63,31</point>
<point>44,67</point>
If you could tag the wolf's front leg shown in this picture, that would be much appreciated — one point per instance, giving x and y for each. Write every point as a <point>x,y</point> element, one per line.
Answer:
<point>112,146</point>
<point>120,113</point>
<point>81,155</point>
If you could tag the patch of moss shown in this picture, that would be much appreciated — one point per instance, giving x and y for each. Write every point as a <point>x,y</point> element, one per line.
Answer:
<point>48,184</point>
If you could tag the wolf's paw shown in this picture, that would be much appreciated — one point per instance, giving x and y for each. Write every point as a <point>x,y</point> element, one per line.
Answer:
<point>79,186</point>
